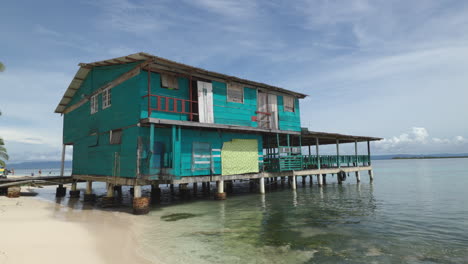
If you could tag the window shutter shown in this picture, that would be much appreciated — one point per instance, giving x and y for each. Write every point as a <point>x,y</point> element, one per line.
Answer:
<point>235,93</point>
<point>169,81</point>
<point>115,137</point>
<point>288,102</point>
<point>165,80</point>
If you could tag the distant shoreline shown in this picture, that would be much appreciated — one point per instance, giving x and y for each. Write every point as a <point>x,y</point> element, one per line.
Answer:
<point>430,157</point>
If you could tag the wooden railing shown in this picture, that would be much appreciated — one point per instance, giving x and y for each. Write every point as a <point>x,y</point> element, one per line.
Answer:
<point>170,105</point>
<point>288,162</point>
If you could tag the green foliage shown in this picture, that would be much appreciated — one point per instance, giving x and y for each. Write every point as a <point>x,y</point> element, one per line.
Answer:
<point>2,67</point>
<point>3,152</point>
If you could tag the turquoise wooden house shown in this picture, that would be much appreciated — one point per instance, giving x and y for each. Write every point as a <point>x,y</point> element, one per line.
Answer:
<point>141,119</point>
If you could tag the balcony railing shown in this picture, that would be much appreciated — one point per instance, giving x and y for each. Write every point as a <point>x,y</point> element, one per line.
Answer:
<point>273,163</point>
<point>160,103</point>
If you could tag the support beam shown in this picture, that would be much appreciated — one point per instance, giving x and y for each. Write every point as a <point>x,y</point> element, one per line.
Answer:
<point>89,196</point>
<point>338,153</point>
<point>319,180</point>
<point>368,152</point>
<point>151,143</point>
<point>293,182</point>
<point>358,177</point>
<point>220,194</point>
<point>371,175</point>
<point>140,204</point>
<point>74,193</point>
<point>108,200</point>
<point>356,153</point>
<point>62,165</point>
<point>317,152</point>
<point>324,176</point>
<point>262,185</point>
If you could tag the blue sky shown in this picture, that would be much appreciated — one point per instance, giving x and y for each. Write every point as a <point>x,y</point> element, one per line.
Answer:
<point>394,69</point>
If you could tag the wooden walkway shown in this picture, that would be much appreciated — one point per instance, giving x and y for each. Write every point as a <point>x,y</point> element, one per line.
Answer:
<point>31,180</point>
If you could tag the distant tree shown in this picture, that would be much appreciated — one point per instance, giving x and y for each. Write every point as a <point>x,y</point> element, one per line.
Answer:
<point>3,151</point>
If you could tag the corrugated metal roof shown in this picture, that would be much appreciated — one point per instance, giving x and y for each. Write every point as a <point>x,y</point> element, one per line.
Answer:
<point>85,68</point>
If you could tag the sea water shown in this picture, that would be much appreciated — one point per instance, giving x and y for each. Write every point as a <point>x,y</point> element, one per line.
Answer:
<point>415,211</point>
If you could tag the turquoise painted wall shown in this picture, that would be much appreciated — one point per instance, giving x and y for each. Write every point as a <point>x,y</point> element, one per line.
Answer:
<point>95,156</point>
<point>156,88</point>
<point>230,113</point>
<point>80,124</point>
<point>290,121</point>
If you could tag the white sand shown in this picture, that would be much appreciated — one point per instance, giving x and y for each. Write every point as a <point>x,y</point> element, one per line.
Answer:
<point>35,231</point>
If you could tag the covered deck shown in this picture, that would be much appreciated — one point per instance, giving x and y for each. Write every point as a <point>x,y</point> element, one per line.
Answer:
<point>302,152</point>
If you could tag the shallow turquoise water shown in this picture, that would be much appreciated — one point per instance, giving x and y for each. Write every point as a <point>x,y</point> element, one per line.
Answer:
<point>414,212</point>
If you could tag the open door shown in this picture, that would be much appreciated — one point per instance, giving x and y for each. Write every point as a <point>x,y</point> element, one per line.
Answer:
<point>267,111</point>
<point>205,102</point>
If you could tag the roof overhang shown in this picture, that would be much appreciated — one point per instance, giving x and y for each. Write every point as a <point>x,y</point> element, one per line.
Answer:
<point>160,64</point>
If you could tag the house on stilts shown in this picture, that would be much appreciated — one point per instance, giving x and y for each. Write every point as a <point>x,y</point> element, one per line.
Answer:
<point>144,120</point>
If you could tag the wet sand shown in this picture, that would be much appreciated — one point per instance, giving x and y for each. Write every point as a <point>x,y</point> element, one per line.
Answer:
<point>41,231</point>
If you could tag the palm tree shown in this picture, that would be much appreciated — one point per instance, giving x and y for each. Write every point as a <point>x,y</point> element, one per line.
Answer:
<point>3,151</point>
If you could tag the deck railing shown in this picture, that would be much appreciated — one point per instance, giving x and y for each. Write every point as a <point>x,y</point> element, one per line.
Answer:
<point>274,163</point>
<point>161,103</point>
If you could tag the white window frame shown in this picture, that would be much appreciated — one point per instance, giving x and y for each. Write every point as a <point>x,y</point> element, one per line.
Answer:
<point>106,98</point>
<point>289,108</point>
<point>94,103</point>
<point>235,86</point>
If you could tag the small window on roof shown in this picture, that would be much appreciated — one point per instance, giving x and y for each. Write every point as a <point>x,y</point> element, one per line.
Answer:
<point>288,102</point>
<point>115,137</point>
<point>94,103</point>
<point>235,93</point>
<point>169,81</point>
<point>106,98</point>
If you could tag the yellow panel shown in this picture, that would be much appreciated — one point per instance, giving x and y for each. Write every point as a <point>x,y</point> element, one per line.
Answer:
<point>239,156</point>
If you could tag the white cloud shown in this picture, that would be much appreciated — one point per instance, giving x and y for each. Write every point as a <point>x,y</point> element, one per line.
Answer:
<point>417,141</point>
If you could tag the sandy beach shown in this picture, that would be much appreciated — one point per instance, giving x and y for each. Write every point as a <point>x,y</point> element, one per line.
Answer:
<point>41,231</point>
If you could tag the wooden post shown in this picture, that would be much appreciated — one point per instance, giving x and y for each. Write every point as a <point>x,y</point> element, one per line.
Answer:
<point>89,196</point>
<point>358,176</point>
<point>136,191</point>
<point>220,194</point>
<point>262,185</point>
<point>319,180</point>
<point>62,165</point>
<point>368,152</point>
<point>89,187</point>
<point>317,152</point>
<point>356,153</point>
<point>149,94</point>
<point>140,204</point>
<point>151,147</point>
<point>338,153</point>
<point>293,182</point>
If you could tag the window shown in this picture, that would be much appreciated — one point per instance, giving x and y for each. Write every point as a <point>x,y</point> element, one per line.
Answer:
<point>169,81</point>
<point>106,98</point>
<point>235,93</point>
<point>94,104</point>
<point>288,102</point>
<point>115,137</point>
<point>93,139</point>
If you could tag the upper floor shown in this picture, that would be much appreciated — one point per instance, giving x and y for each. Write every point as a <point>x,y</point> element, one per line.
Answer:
<point>120,92</point>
